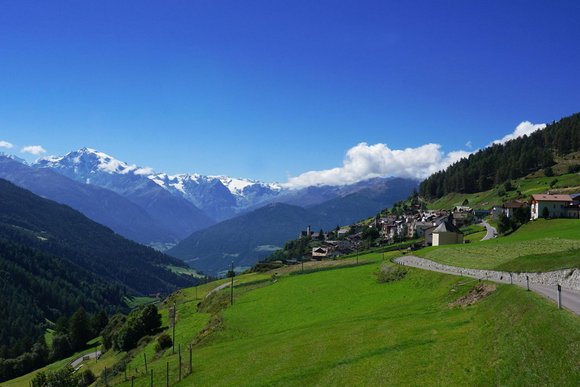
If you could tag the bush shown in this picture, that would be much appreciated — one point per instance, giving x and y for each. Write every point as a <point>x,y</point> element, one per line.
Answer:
<point>548,172</point>
<point>163,342</point>
<point>574,168</point>
<point>86,378</point>
<point>545,213</point>
<point>390,274</point>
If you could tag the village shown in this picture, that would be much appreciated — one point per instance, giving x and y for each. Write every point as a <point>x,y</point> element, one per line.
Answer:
<point>422,227</point>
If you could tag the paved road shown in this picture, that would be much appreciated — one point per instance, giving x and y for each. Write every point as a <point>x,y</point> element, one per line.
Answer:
<point>88,356</point>
<point>491,231</point>
<point>570,297</point>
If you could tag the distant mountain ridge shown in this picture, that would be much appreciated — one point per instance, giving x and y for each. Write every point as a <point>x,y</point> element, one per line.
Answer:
<point>252,236</point>
<point>101,205</point>
<point>174,213</point>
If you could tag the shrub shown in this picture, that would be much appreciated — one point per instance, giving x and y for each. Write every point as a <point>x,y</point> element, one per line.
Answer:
<point>574,168</point>
<point>87,378</point>
<point>390,273</point>
<point>163,342</point>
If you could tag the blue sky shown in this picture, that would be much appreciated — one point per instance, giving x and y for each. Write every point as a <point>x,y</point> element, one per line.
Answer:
<point>272,89</point>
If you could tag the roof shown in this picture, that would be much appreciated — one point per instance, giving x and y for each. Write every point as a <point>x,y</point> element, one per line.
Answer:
<point>447,227</point>
<point>551,198</point>
<point>515,204</point>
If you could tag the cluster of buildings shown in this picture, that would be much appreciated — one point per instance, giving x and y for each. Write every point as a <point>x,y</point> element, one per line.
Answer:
<point>437,228</point>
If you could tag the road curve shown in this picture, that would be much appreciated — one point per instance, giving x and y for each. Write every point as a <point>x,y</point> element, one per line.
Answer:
<point>570,297</point>
<point>491,231</point>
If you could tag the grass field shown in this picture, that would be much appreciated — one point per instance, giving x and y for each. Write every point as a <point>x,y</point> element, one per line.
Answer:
<point>542,245</point>
<point>527,186</point>
<point>184,270</point>
<point>134,302</point>
<point>341,327</point>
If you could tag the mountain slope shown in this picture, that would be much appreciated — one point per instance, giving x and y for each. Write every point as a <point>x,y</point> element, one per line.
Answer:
<point>54,260</point>
<point>499,163</point>
<point>246,238</point>
<point>368,197</point>
<point>101,205</point>
<point>56,229</point>
<point>254,235</point>
<point>221,197</point>
<point>89,166</point>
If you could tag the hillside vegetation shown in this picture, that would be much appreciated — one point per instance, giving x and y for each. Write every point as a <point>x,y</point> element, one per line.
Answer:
<point>343,327</point>
<point>521,188</point>
<point>54,260</point>
<point>499,163</point>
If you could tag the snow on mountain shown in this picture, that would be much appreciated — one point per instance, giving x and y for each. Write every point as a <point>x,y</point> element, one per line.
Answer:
<point>92,161</point>
<point>13,157</point>
<point>220,196</point>
<point>239,187</point>
<point>90,166</point>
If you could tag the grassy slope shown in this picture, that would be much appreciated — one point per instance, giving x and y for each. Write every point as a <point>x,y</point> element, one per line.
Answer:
<point>554,240</point>
<point>528,186</point>
<point>340,327</point>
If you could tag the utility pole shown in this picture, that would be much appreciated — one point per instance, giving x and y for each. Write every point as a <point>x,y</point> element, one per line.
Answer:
<point>173,339</point>
<point>232,274</point>
<point>528,283</point>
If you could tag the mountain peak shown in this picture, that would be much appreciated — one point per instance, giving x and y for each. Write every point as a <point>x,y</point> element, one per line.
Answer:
<point>13,157</point>
<point>91,161</point>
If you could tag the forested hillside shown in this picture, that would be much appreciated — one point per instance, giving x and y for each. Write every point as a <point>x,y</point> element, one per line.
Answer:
<point>499,163</point>
<point>54,260</point>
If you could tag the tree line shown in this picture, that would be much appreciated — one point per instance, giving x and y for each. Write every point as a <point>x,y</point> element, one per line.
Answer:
<point>499,163</point>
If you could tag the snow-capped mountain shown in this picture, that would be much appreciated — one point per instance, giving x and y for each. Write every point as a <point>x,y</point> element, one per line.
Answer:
<point>90,166</point>
<point>184,203</point>
<point>220,196</point>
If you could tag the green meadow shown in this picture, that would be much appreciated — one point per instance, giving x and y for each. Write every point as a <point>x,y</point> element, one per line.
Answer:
<point>336,325</point>
<point>341,327</point>
<point>541,245</point>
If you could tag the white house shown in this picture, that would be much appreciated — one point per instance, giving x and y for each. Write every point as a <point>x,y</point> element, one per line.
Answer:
<point>557,206</point>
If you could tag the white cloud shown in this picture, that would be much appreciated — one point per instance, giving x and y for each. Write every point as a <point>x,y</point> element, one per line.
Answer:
<point>365,161</point>
<point>524,128</point>
<point>469,145</point>
<point>33,150</point>
<point>6,144</point>
<point>144,171</point>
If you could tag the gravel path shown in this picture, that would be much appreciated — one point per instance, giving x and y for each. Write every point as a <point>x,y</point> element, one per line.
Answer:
<point>541,283</point>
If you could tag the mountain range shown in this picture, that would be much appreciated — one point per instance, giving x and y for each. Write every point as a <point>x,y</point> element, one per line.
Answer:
<point>250,237</point>
<point>160,209</point>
